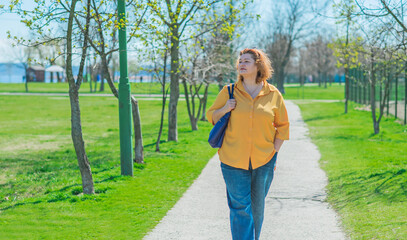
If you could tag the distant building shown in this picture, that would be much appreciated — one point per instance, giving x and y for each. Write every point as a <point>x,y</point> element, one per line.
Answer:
<point>36,74</point>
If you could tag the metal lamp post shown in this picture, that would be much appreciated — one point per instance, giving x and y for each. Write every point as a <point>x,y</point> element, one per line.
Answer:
<point>126,158</point>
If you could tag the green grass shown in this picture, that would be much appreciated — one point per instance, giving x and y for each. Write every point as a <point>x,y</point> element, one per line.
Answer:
<point>136,88</point>
<point>40,176</point>
<point>401,89</point>
<point>367,173</point>
<point>333,92</point>
<point>292,91</point>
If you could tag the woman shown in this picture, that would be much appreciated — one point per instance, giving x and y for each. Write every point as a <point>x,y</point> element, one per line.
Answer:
<point>257,128</point>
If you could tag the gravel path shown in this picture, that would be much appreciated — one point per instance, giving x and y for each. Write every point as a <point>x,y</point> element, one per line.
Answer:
<point>295,208</point>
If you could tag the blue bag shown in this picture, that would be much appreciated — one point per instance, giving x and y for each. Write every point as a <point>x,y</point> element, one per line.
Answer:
<point>218,131</point>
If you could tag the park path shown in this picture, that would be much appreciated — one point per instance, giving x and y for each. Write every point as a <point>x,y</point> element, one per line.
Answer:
<point>295,206</point>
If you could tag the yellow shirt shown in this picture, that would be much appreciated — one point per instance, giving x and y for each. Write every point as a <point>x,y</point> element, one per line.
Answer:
<point>252,127</point>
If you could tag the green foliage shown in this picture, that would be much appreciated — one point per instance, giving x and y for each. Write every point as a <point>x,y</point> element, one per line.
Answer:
<point>347,54</point>
<point>41,193</point>
<point>345,11</point>
<point>367,173</point>
<point>346,47</point>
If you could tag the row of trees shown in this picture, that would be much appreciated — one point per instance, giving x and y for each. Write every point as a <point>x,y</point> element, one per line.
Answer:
<point>373,41</point>
<point>177,32</point>
<point>194,43</point>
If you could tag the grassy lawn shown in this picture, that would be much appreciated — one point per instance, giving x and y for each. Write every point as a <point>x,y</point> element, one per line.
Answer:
<point>292,91</point>
<point>136,88</point>
<point>367,174</point>
<point>334,92</point>
<point>40,185</point>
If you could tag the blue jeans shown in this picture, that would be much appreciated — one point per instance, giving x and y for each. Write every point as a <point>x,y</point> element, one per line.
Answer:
<point>246,192</point>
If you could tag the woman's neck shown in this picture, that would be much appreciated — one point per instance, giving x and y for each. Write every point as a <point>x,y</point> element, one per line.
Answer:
<point>250,81</point>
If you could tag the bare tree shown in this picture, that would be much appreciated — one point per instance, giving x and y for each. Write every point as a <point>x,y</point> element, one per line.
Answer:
<point>321,58</point>
<point>386,9</point>
<point>159,57</point>
<point>23,56</point>
<point>289,26</point>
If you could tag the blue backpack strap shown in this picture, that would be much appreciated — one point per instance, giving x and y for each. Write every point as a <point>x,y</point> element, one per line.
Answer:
<point>233,89</point>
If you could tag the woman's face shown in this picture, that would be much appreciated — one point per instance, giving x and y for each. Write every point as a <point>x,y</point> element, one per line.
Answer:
<point>247,65</point>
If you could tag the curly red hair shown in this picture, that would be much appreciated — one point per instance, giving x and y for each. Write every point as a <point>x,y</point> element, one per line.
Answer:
<point>263,63</point>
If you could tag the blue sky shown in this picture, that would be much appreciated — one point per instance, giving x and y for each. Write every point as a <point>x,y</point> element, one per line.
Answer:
<point>12,22</point>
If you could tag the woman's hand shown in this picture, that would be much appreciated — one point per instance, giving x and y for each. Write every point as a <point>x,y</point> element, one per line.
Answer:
<point>277,144</point>
<point>229,106</point>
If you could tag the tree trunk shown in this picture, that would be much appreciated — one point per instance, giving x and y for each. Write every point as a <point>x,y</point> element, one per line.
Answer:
<point>102,80</point>
<point>373,102</point>
<point>174,86</point>
<point>52,77</point>
<point>90,82</point>
<point>346,89</point>
<point>26,80</point>
<point>280,81</point>
<point>157,145</point>
<point>96,82</point>
<point>205,100</point>
<point>194,124</point>
<point>79,144</point>
<point>383,101</point>
<point>319,79</point>
<point>192,119</point>
<point>76,128</point>
<point>376,127</point>
<point>58,77</point>
<point>138,137</point>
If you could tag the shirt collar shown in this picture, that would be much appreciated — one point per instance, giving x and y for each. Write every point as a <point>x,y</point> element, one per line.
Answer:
<point>267,88</point>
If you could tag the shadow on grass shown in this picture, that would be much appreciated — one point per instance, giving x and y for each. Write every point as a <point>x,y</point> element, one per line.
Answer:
<point>322,117</point>
<point>74,196</point>
<point>42,170</point>
<point>387,186</point>
<point>390,176</point>
<point>20,204</point>
<point>154,143</point>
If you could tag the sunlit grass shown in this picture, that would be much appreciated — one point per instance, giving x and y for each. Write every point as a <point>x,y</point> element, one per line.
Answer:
<point>40,186</point>
<point>367,173</point>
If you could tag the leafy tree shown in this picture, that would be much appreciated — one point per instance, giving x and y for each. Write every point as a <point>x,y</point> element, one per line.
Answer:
<point>184,20</point>
<point>104,17</point>
<point>42,20</point>
<point>321,58</point>
<point>288,27</point>
<point>345,51</point>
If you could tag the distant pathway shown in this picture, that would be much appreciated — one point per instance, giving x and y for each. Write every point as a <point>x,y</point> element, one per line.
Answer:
<point>139,96</point>
<point>295,208</point>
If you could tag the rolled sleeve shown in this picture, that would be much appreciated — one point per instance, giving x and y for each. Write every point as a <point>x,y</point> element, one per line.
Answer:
<point>220,101</point>
<point>281,122</point>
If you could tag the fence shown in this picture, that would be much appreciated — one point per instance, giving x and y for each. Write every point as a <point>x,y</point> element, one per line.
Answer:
<point>389,79</point>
